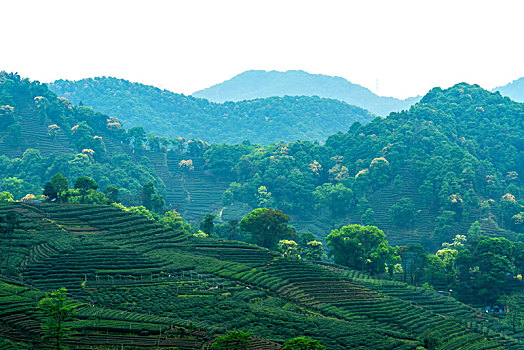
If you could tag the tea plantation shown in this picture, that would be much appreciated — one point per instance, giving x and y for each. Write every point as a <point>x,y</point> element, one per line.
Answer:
<point>138,285</point>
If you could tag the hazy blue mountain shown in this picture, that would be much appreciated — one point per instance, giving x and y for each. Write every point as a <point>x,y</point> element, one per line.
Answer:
<point>513,90</point>
<point>259,84</point>
<point>171,115</point>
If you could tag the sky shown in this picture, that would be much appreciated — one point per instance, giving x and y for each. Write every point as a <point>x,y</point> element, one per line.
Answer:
<point>407,47</point>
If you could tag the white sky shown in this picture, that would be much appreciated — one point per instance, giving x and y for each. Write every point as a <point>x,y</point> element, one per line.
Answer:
<point>184,46</point>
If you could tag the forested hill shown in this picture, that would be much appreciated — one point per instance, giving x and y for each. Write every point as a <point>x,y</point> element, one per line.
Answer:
<point>42,135</point>
<point>173,115</point>
<point>513,90</point>
<point>258,84</point>
<point>422,175</point>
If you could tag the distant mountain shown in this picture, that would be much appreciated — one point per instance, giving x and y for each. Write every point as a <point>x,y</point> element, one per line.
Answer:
<point>259,84</point>
<point>513,90</point>
<point>174,115</point>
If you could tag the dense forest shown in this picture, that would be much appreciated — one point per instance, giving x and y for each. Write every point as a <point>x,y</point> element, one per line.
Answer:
<point>173,115</point>
<point>42,135</point>
<point>457,155</point>
<point>257,84</point>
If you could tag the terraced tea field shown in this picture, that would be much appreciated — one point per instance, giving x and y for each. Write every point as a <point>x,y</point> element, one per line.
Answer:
<point>142,285</point>
<point>34,133</point>
<point>92,326</point>
<point>192,193</point>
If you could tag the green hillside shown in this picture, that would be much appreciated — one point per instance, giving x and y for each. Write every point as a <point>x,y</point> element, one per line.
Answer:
<point>42,134</point>
<point>422,175</point>
<point>138,284</point>
<point>260,84</point>
<point>173,115</point>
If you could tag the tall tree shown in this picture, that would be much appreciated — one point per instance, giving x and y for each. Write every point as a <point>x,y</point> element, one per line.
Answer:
<point>173,220</point>
<point>493,256</point>
<point>6,197</point>
<point>147,194</point>
<point>84,184</point>
<point>112,193</point>
<point>337,198</point>
<point>360,247</point>
<point>207,225</point>
<point>150,199</point>
<point>303,343</point>
<point>56,188</point>
<point>58,309</point>
<point>138,136</point>
<point>314,250</point>
<point>232,340</point>
<point>413,260</point>
<point>513,307</point>
<point>267,226</point>
<point>289,248</point>
<point>13,185</point>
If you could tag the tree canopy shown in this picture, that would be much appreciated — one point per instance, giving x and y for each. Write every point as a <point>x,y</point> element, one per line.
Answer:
<point>267,226</point>
<point>362,248</point>
<point>58,309</point>
<point>233,340</point>
<point>303,343</point>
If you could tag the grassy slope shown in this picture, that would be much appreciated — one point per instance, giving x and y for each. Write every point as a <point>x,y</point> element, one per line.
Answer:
<point>136,279</point>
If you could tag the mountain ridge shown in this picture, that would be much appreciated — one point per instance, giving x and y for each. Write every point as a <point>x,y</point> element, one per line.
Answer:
<point>174,115</point>
<point>260,84</point>
<point>514,90</point>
